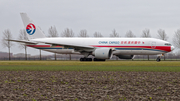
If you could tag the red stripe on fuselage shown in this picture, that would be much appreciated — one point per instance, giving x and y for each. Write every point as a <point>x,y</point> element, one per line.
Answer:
<point>164,48</point>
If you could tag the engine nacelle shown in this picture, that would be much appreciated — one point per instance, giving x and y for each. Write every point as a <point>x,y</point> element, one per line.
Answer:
<point>103,53</point>
<point>126,56</point>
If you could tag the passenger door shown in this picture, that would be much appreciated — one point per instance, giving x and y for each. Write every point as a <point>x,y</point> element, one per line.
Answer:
<point>153,44</point>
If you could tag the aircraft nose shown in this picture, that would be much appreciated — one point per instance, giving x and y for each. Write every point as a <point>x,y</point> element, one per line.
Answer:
<point>172,48</point>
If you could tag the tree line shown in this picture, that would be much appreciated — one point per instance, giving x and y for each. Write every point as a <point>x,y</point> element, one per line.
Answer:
<point>52,32</point>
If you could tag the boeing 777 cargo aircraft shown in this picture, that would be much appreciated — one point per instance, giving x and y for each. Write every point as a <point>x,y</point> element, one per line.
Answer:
<point>100,48</point>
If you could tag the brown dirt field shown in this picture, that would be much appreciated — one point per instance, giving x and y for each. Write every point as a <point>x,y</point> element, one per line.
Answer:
<point>69,85</point>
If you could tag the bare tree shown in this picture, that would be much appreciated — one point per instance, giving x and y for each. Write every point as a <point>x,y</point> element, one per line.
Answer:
<point>83,33</point>
<point>7,36</point>
<point>162,35</point>
<point>97,34</point>
<point>23,36</point>
<point>176,39</point>
<point>67,33</point>
<point>53,33</point>
<point>146,33</point>
<point>130,34</point>
<point>114,34</point>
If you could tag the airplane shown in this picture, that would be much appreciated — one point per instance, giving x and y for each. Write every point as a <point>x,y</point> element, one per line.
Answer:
<point>100,48</point>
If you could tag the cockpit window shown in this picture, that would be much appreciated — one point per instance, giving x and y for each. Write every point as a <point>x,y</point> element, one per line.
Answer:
<point>167,44</point>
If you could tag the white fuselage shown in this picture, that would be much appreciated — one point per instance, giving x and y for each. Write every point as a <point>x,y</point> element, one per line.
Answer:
<point>121,46</point>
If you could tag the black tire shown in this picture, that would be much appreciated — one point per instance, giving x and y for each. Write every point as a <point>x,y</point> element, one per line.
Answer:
<point>89,59</point>
<point>103,60</point>
<point>95,59</point>
<point>81,59</point>
<point>85,59</point>
<point>158,59</point>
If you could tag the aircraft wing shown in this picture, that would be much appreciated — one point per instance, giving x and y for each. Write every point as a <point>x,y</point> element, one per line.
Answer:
<point>76,47</point>
<point>23,41</point>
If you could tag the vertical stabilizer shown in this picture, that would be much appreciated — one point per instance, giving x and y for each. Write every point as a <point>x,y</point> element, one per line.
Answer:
<point>32,29</point>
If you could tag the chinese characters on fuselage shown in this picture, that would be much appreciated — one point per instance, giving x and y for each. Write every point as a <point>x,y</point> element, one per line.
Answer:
<point>121,42</point>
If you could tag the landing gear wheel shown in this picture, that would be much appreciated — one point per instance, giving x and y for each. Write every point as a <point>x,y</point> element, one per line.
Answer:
<point>158,59</point>
<point>90,59</point>
<point>95,59</point>
<point>81,59</point>
<point>85,59</point>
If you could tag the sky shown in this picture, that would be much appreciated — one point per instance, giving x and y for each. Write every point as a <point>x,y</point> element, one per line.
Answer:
<point>93,15</point>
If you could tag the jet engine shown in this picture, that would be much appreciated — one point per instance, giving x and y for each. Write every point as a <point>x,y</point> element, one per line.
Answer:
<point>103,53</point>
<point>125,56</point>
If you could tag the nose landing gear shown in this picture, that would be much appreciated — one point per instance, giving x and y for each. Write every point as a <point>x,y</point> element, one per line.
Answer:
<point>159,57</point>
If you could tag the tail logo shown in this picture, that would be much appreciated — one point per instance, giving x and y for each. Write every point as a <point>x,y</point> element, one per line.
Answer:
<point>30,29</point>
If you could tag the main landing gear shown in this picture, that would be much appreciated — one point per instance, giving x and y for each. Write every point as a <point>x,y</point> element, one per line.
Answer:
<point>85,59</point>
<point>90,59</point>
<point>95,59</point>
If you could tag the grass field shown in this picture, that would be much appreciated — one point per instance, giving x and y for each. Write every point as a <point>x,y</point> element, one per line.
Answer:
<point>163,66</point>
